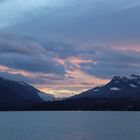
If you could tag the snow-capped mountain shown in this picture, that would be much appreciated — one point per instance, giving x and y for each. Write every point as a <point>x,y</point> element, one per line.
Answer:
<point>19,94</point>
<point>118,87</point>
<point>121,93</point>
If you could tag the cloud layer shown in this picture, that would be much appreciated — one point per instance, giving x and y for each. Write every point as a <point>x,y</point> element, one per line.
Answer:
<point>57,64</point>
<point>57,45</point>
<point>79,21</point>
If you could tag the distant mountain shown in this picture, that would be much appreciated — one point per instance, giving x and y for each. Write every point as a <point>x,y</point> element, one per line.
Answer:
<point>19,95</point>
<point>119,87</point>
<point>121,93</point>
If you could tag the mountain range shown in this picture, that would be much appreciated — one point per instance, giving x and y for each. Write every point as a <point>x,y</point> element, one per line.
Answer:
<point>121,93</point>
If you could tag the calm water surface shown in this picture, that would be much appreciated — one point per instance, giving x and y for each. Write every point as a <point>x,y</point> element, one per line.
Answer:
<point>70,126</point>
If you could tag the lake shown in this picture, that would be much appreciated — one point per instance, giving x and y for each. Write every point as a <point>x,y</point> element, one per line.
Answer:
<point>69,125</point>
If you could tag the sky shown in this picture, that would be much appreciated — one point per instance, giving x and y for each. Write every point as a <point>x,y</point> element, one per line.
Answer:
<point>66,47</point>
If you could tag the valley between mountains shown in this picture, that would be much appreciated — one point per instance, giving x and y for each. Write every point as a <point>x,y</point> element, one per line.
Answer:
<point>121,93</point>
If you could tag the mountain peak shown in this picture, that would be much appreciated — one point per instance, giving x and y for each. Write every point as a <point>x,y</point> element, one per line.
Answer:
<point>133,76</point>
<point>22,90</point>
<point>120,78</point>
<point>123,78</point>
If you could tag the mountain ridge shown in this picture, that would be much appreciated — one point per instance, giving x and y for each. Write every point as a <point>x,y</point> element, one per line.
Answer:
<point>18,94</point>
<point>116,84</point>
<point>121,93</point>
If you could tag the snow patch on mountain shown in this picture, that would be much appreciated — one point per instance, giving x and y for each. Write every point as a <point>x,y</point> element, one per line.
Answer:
<point>96,90</point>
<point>135,77</point>
<point>132,85</point>
<point>115,88</point>
<point>46,97</point>
<point>22,83</point>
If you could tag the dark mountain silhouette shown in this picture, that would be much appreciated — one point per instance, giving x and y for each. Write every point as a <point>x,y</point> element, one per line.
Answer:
<point>121,93</point>
<point>119,87</point>
<point>19,95</point>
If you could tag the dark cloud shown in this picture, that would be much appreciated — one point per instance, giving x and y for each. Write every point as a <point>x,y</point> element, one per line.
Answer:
<point>94,21</point>
<point>111,62</point>
<point>45,37</point>
<point>33,55</point>
<point>31,63</point>
<point>11,43</point>
<point>63,50</point>
<point>27,55</point>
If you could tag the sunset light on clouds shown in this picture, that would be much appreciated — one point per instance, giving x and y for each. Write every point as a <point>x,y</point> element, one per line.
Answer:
<point>66,47</point>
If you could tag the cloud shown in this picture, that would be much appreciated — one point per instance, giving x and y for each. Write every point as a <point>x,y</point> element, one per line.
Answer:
<point>20,77</point>
<point>51,64</point>
<point>80,21</point>
<point>51,41</point>
<point>111,61</point>
<point>13,11</point>
<point>54,57</point>
<point>27,55</point>
<point>63,66</point>
<point>30,77</point>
